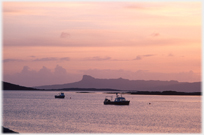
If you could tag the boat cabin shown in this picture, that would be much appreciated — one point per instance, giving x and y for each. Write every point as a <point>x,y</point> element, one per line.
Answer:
<point>120,99</point>
<point>61,94</point>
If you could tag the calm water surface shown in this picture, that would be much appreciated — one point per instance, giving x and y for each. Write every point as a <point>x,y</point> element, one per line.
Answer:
<point>40,112</point>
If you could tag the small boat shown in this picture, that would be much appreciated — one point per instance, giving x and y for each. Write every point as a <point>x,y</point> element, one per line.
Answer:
<point>61,95</point>
<point>118,101</point>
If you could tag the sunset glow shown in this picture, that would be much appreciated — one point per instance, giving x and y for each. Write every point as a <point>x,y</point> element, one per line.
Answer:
<point>132,40</point>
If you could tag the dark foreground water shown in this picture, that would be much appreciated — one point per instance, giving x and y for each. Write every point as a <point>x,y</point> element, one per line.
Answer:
<point>40,112</point>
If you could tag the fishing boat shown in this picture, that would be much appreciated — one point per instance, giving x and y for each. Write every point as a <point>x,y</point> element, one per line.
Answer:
<point>60,95</point>
<point>119,100</point>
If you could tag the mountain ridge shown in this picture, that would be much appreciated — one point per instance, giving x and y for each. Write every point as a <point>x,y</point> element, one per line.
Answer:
<point>126,84</point>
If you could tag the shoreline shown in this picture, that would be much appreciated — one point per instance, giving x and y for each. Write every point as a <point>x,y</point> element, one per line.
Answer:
<point>113,91</point>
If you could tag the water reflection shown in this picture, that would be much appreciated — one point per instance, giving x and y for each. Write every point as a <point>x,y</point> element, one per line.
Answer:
<point>40,112</point>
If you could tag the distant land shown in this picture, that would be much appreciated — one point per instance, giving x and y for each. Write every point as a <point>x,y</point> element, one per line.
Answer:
<point>9,86</point>
<point>89,82</point>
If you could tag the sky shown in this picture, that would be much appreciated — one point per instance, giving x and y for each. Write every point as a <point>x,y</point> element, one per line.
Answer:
<point>46,43</point>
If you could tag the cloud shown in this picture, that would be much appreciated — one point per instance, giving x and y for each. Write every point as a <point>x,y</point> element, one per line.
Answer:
<point>97,58</point>
<point>46,59</point>
<point>139,57</point>
<point>144,6</point>
<point>38,59</point>
<point>87,40</point>
<point>135,6</point>
<point>65,59</point>
<point>64,35</point>
<point>155,34</point>
<point>60,70</point>
<point>12,60</point>
<point>53,59</point>
<point>45,72</point>
<point>170,55</point>
<point>148,55</point>
<point>25,69</point>
<point>95,28</point>
<point>10,10</point>
<point>44,76</point>
<point>143,75</point>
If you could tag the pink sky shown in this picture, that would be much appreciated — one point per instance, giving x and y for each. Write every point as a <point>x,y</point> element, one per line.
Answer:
<point>57,42</point>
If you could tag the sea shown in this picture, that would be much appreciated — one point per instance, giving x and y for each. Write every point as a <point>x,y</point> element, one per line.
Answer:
<point>81,112</point>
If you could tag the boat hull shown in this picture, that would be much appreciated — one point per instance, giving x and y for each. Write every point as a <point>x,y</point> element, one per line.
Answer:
<point>59,96</point>
<point>117,103</point>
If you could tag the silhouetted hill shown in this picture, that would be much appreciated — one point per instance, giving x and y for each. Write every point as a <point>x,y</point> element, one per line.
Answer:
<point>10,86</point>
<point>130,85</point>
<point>7,130</point>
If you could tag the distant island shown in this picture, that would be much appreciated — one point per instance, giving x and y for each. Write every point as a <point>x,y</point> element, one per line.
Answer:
<point>10,86</point>
<point>90,82</point>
